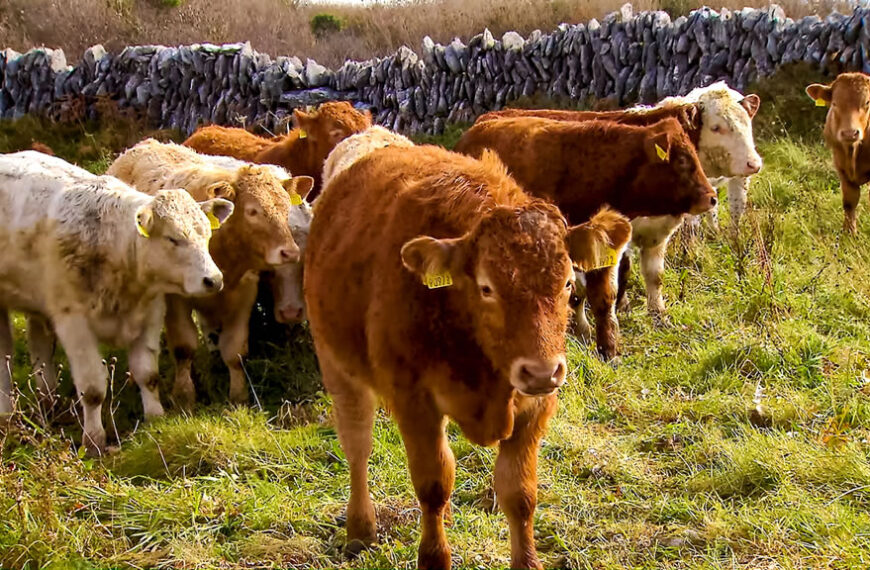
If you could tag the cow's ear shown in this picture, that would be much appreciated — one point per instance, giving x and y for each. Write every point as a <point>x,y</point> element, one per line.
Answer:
<point>304,121</point>
<point>145,220</point>
<point>432,258</point>
<point>217,210</point>
<point>819,93</point>
<point>299,185</point>
<point>596,243</point>
<point>751,103</point>
<point>221,189</point>
<point>658,147</point>
<point>693,116</point>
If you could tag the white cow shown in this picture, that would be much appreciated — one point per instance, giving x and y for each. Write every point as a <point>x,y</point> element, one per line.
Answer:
<point>91,260</point>
<point>727,153</point>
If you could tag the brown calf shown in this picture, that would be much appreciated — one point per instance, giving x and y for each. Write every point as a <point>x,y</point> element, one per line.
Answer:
<point>581,166</point>
<point>845,133</point>
<point>482,344</point>
<point>302,151</point>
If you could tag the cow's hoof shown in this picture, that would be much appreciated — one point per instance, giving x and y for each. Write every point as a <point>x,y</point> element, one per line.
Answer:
<point>354,547</point>
<point>239,397</point>
<point>660,320</point>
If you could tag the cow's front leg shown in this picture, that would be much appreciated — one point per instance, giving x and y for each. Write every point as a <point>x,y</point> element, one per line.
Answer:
<point>182,338</point>
<point>89,376</point>
<point>432,469</point>
<point>143,360</point>
<point>738,188</point>
<point>233,341</point>
<point>516,476</point>
<point>652,263</point>
<point>600,289</point>
<point>851,196</point>
<point>7,347</point>
<point>41,340</point>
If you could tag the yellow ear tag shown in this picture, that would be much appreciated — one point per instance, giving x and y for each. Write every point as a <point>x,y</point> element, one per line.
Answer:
<point>212,219</point>
<point>302,134</point>
<point>607,257</point>
<point>821,103</point>
<point>662,153</point>
<point>295,199</point>
<point>142,231</point>
<point>438,280</point>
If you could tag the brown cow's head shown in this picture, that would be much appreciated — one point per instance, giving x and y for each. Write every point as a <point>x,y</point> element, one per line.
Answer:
<point>849,99</point>
<point>262,204</point>
<point>671,174</point>
<point>330,124</point>
<point>512,277</point>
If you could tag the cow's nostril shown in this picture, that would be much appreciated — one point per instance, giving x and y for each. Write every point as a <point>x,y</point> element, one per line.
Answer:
<point>289,254</point>
<point>211,283</point>
<point>208,282</point>
<point>713,201</point>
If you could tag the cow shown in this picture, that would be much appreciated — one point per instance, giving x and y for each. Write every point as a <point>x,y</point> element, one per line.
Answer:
<point>302,151</point>
<point>458,308</point>
<point>90,260</point>
<point>357,146</point>
<point>846,126</point>
<point>285,281</point>
<point>638,170</point>
<point>258,238</point>
<point>718,121</point>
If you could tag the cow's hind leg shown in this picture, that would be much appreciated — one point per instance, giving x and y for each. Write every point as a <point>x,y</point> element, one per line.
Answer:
<point>579,324</point>
<point>432,469</point>
<point>41,341</point>
<point>354,409</point>
<point>600,289</point>
<point>89,376</point>
<point>6,349</point>
<point>624,272</point>
<point>182,338</point>
<point>516,477</point>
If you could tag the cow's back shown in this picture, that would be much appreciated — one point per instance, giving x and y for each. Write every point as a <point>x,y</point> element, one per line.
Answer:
<point>227,141</point>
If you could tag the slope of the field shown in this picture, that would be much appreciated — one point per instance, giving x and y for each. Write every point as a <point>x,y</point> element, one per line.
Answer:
<point>736,438</point>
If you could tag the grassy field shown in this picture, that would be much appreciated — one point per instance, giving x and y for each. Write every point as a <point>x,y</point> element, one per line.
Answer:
<point>736,438</point>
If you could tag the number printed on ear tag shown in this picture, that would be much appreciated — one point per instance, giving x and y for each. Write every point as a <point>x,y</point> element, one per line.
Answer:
<point>607,257</point>
<point>438,280</point>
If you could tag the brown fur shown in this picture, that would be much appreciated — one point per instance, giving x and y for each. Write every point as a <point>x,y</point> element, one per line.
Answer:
<point>448,352</point>
<point>301,155</point>
<point>688,114</point>
<point>582,166</point>
<point>848,98</point>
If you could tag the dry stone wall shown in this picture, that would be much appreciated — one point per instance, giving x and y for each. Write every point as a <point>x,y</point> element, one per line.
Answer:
<point>630,57</point>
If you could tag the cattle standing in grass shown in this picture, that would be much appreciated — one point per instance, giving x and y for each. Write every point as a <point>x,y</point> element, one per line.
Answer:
<point>482,343</point>
<point>845,132</point>
<point>302,151</point>
<point>256,239</point>
<point>581,166</point>
<point>718,121</point>
<point>91,259</point>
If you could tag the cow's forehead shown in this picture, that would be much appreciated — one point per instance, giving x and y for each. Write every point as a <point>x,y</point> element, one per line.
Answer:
<point>851,88</point>
<point>724,104</point>
<point>177,208</point>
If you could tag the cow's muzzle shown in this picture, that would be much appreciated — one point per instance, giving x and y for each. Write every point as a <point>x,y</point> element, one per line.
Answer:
<point>538,377</point>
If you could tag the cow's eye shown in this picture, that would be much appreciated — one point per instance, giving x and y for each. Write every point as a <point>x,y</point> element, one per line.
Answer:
<point>251,212</point>
<point>486,291</point>
<point>716,129</point>
<point>569,284</point>
<point>174,241</point>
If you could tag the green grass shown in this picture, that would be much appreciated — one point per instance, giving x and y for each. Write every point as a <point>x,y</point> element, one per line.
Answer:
<point>736,438</point>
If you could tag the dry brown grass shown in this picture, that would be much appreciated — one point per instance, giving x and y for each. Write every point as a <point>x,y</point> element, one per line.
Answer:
<point>281,27</point>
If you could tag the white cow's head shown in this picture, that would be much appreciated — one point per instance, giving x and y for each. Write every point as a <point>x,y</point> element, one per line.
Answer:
<point>174,231</point>
<point>726,147</point>
<point>287,280</point>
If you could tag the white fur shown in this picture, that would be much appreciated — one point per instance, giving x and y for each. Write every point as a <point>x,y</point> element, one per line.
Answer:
<point>357,147</point>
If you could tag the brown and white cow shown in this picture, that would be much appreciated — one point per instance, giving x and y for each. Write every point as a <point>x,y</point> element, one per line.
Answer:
<point>256,239</point>
<point>846,131</point>
<point>581,166</point>
<point>718,121</point>
<point>302,151</point>
<point>457,309</point>
<point>90,260</point>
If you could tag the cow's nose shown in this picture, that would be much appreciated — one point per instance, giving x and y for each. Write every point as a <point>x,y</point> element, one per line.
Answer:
<point>213,283</point>
<point>713,200</point>
<point>536,377</point>
<point>290,314</point>
<point>289,255</point>
<point>753,166</point>
<point>850,135</point>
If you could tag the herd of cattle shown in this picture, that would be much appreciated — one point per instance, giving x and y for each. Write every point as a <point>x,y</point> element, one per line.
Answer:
<point>437,281</point>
